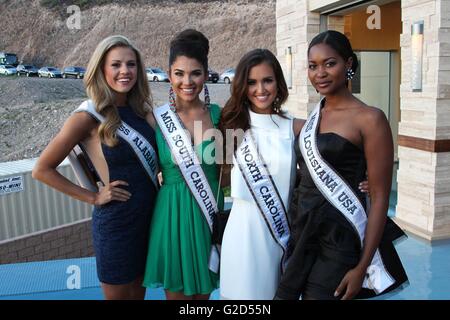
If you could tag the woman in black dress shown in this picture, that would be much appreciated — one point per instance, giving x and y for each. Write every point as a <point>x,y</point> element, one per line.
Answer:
<point>332,257</point>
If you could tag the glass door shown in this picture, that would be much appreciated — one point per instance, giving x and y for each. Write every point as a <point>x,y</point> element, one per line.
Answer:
<point>373,85</point>
<point>376,84</point>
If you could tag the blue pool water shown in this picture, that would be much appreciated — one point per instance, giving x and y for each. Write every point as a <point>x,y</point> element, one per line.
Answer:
<point>428,268</point>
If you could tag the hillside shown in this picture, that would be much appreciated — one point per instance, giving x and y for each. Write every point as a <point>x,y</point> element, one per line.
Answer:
<point>36,30</point>
<point>32,110</point>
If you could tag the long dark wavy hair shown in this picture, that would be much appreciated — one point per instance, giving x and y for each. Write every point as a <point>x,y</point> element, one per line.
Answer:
<point>235,114</point>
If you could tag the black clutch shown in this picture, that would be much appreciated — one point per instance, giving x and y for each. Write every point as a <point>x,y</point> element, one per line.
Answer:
<point>220,219</point>
<point>219,224</point>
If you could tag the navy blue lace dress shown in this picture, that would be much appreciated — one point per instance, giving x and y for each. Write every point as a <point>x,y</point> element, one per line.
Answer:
<point>120,229</point>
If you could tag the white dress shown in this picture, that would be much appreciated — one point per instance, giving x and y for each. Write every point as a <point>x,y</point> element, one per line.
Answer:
<point>250,257</point>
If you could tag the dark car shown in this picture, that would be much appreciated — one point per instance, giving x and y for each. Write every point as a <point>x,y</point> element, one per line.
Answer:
<point>213,76</point>
<point>75,72</point>
<point>27,70</point>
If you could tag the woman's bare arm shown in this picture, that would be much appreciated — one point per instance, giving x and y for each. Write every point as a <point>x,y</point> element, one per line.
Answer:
<point>298,126</point>
<point>77,128</point>
<point>378,148</point>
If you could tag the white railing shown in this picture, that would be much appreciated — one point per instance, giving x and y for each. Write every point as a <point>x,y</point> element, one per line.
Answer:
<point>28,206</point>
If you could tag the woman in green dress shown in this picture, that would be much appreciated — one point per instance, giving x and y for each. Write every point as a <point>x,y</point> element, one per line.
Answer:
<point>180,238</point>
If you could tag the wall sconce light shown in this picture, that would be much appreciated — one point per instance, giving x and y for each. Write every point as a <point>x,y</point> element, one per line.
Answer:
<point>416,55</point>
<point>289,67</point>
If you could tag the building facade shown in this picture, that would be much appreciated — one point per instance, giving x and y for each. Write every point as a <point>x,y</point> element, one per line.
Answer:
<point>404,53</point>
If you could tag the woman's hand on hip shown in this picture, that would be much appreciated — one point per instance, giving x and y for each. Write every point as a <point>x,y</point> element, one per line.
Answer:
<point>351,284</point>
<point>111,192</point>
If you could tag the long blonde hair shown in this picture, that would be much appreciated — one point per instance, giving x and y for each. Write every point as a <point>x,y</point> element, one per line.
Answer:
<point>97,89</point>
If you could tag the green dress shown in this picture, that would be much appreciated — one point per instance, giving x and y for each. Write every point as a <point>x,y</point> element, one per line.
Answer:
<point>180,240</point>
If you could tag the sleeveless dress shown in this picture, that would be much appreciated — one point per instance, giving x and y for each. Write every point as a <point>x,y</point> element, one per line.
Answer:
<point>326,245</point>
<point>180,241</point>
<point>120,229</point>
<point>250,257</point>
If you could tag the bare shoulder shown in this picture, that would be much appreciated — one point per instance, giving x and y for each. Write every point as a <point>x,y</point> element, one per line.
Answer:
<point>298,125</point>
<point>80,124</point>
<point>369,116</point>
<point>371,120</point>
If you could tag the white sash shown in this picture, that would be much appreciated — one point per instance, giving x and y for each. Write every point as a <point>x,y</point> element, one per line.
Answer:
<point>184,154</point>
<point>335,189</point>
<point>142,148</point>
<point>264,192</point>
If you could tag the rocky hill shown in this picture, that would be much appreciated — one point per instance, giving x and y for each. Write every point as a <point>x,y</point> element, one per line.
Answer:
<point>37,31</point>
<point>32,110</point>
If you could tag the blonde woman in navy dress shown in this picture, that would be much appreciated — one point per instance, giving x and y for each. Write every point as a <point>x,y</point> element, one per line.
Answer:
<point>117,84</point>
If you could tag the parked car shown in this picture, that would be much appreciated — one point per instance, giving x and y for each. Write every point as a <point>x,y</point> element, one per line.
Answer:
<point>49,72</point>
<point>7,69</point>
<point>213,76</point>
<point>228,75</point>
<point>75,72</point>
<point>27,69</point>
<point>156,74</point>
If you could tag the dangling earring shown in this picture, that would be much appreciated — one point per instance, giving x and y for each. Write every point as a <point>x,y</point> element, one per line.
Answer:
<point>207,99</point>
<point>350,74</point>
<point>172,100</point>
<point>276,105</point>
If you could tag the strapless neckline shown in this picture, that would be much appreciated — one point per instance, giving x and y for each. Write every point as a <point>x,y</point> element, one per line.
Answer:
<point>342,138</point>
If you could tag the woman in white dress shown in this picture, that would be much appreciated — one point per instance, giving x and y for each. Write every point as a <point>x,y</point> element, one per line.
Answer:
<point>250,267</point>
<point>250,256</point>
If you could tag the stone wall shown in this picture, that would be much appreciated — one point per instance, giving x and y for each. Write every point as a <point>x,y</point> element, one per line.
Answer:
<point>65,242</point>
<point>424,173</point>
<point>424,130</point>
<point>296,26</point>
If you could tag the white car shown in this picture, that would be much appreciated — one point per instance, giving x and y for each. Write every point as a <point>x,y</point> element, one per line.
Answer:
<point>227,76</point>
<point>7,70</point>
<point>49,72</point>
<point>156,74</point>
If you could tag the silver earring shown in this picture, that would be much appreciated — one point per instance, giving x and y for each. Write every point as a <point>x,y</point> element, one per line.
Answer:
<point>350,74</point>
<point>276,105</point>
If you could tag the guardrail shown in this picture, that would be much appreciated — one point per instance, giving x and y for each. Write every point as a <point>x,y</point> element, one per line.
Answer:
<point>28,206</point>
